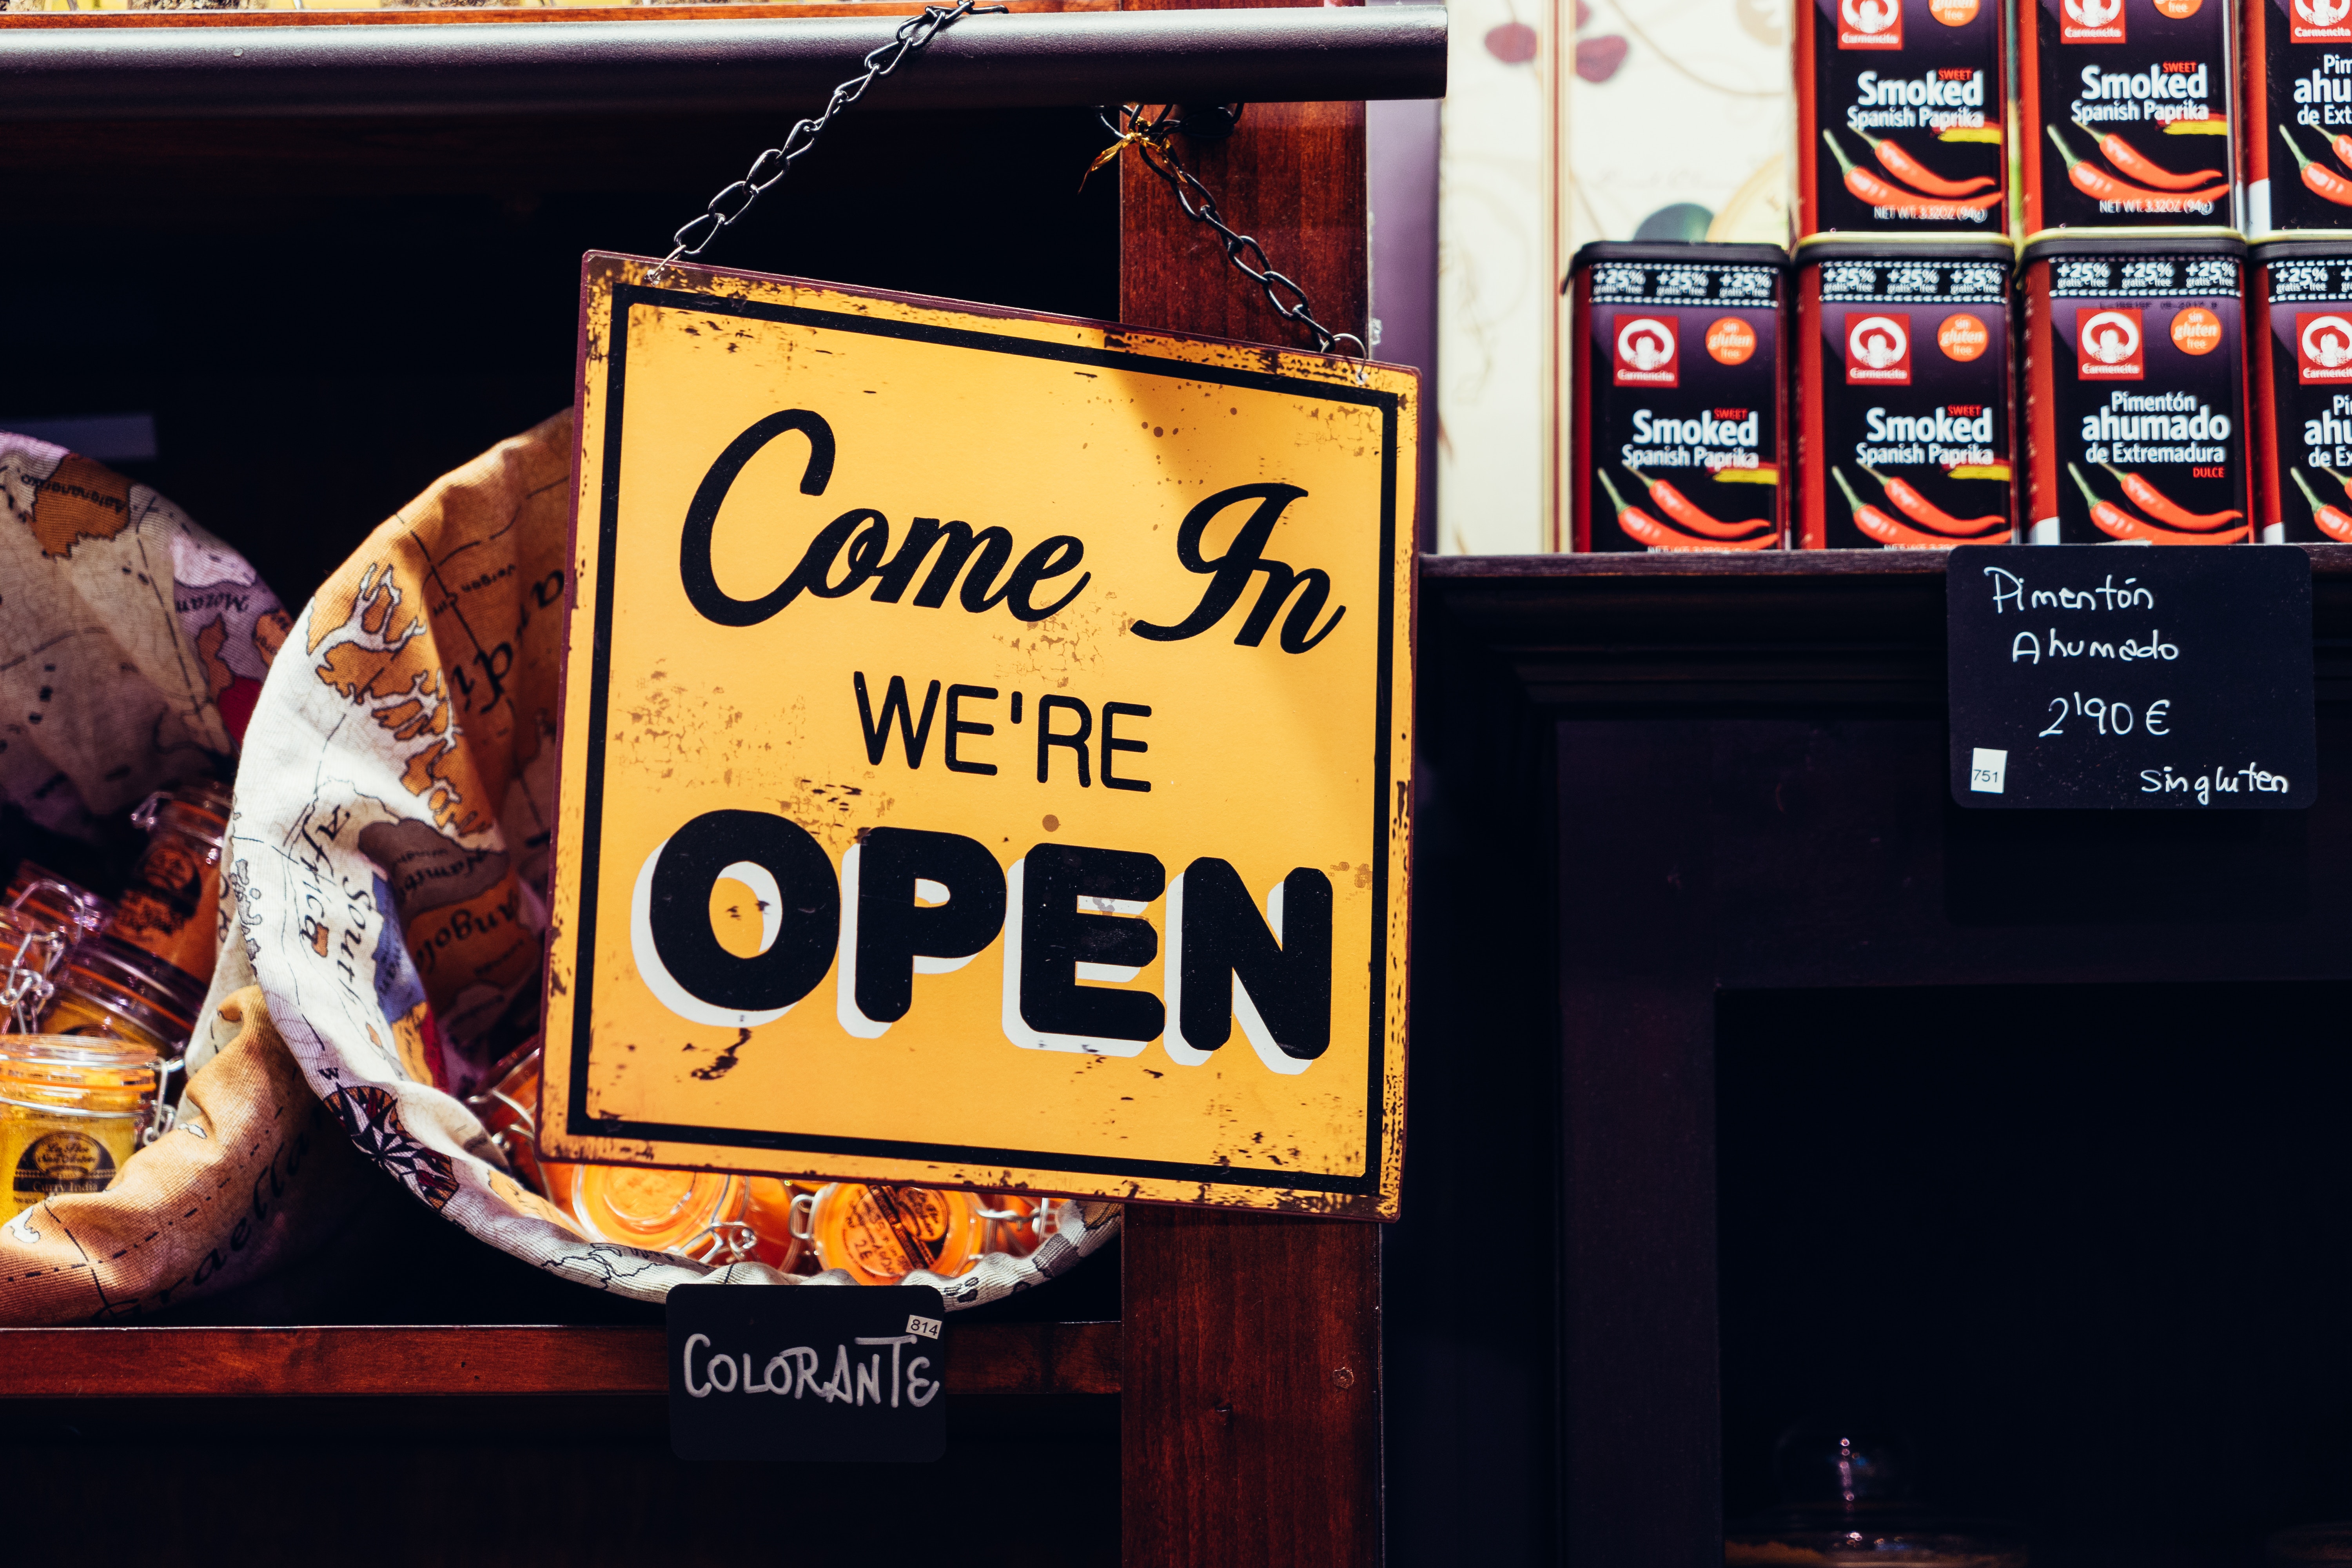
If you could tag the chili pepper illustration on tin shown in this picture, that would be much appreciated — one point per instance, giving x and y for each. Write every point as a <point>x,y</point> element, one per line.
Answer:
<point>2141,167</point>
<point>1883,527</point>
<point>1927,513</point>
<point>2100,186</point>
<point>2317,177</point>
<point>2113,519</point>
<point>1883,193</point>
<point>1639,524</point>
<point>1903,166</point>
<point>1688,514</point>
<point>2332,520</point>
<point>2165,509</point>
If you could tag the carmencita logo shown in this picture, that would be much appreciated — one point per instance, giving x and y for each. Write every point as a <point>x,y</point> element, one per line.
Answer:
<point>1870,24</point>
<point>2091,22</point>
<point>2108,345</point>
<point>1647,352</point>
<point>2320,21</point>
<point>2322,348</point>
<point>1878,349</point>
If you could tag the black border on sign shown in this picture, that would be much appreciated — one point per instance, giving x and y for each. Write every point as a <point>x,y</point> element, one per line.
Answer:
<point>577,1124</point>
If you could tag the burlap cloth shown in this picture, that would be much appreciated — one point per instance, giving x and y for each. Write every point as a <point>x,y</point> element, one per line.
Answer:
<point>255,1175</point>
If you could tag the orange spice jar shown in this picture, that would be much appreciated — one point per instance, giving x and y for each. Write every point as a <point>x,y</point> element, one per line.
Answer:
<point>701,1215</point>
<point>172,906</point>
<point>510,1109</point>
<point>879,1235</point>
<point>108,987</point>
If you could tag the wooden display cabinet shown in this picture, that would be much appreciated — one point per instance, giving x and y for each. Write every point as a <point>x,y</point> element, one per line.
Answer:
<point>326,311</point>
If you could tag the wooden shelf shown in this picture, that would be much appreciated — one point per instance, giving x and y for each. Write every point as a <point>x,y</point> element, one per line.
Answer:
<point>525,1359</point>
<point>1820,628</point>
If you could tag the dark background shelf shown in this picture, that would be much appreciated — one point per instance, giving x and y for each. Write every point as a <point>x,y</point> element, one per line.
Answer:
<point>2010,1128</point>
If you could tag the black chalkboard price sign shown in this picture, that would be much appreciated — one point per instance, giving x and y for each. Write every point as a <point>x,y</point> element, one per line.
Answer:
<point>2131,678</point>
<point>807,1371</point>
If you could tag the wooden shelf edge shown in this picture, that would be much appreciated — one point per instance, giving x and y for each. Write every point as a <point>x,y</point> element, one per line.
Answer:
<point>522,1359</point>
<point>2326,561</point>
<point>510,13</point>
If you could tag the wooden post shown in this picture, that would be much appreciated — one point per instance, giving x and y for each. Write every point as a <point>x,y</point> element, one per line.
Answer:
<point>1250,1405</point>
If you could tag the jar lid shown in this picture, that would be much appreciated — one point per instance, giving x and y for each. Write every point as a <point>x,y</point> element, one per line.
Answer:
<point>27,942</point>
<point>37,891</point>
<point>85,1072</point>
<point>654,1209</point>
<point>199,809</point>
<point>106,968</point>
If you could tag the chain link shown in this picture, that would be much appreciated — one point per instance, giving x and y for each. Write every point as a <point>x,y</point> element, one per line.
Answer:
<point>1127,124</point>
<point>731,203</point>
<point>1149,137</point>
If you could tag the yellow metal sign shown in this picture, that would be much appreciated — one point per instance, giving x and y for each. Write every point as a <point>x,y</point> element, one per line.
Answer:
<point>986,750</point>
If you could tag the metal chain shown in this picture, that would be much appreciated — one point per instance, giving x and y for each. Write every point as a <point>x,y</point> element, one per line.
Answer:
<point>1125,122</point>
<point>731,204</point>
<point>1149,137</point>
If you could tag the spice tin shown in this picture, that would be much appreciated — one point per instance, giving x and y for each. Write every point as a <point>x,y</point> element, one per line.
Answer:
<point>72,1112</point>
<point>2300,381</point>
<point>2135,388</point>
<point>2296,139</point>
<point>1899,113</point>
<point>2125,112</point>
<point>172,907</point>
<point>880,1234</point>
<point>1903,427</point>
<point>1676,429</point>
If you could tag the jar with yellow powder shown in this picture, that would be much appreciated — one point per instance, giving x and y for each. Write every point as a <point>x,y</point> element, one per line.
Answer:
<point>73,1109</point>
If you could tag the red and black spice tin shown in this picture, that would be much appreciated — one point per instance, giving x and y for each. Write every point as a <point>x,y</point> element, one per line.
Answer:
<point>2295,140</point>
<point>1899,113</point>
<point>2300,287</point>
<point>1902,393</point>
<point>2134,387</point>
<point>1677,430</point>
<point>2126,108</point>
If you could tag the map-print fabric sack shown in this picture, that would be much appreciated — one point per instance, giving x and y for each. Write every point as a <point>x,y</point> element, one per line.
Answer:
<point>132,643</point>
<point>390,848</point>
